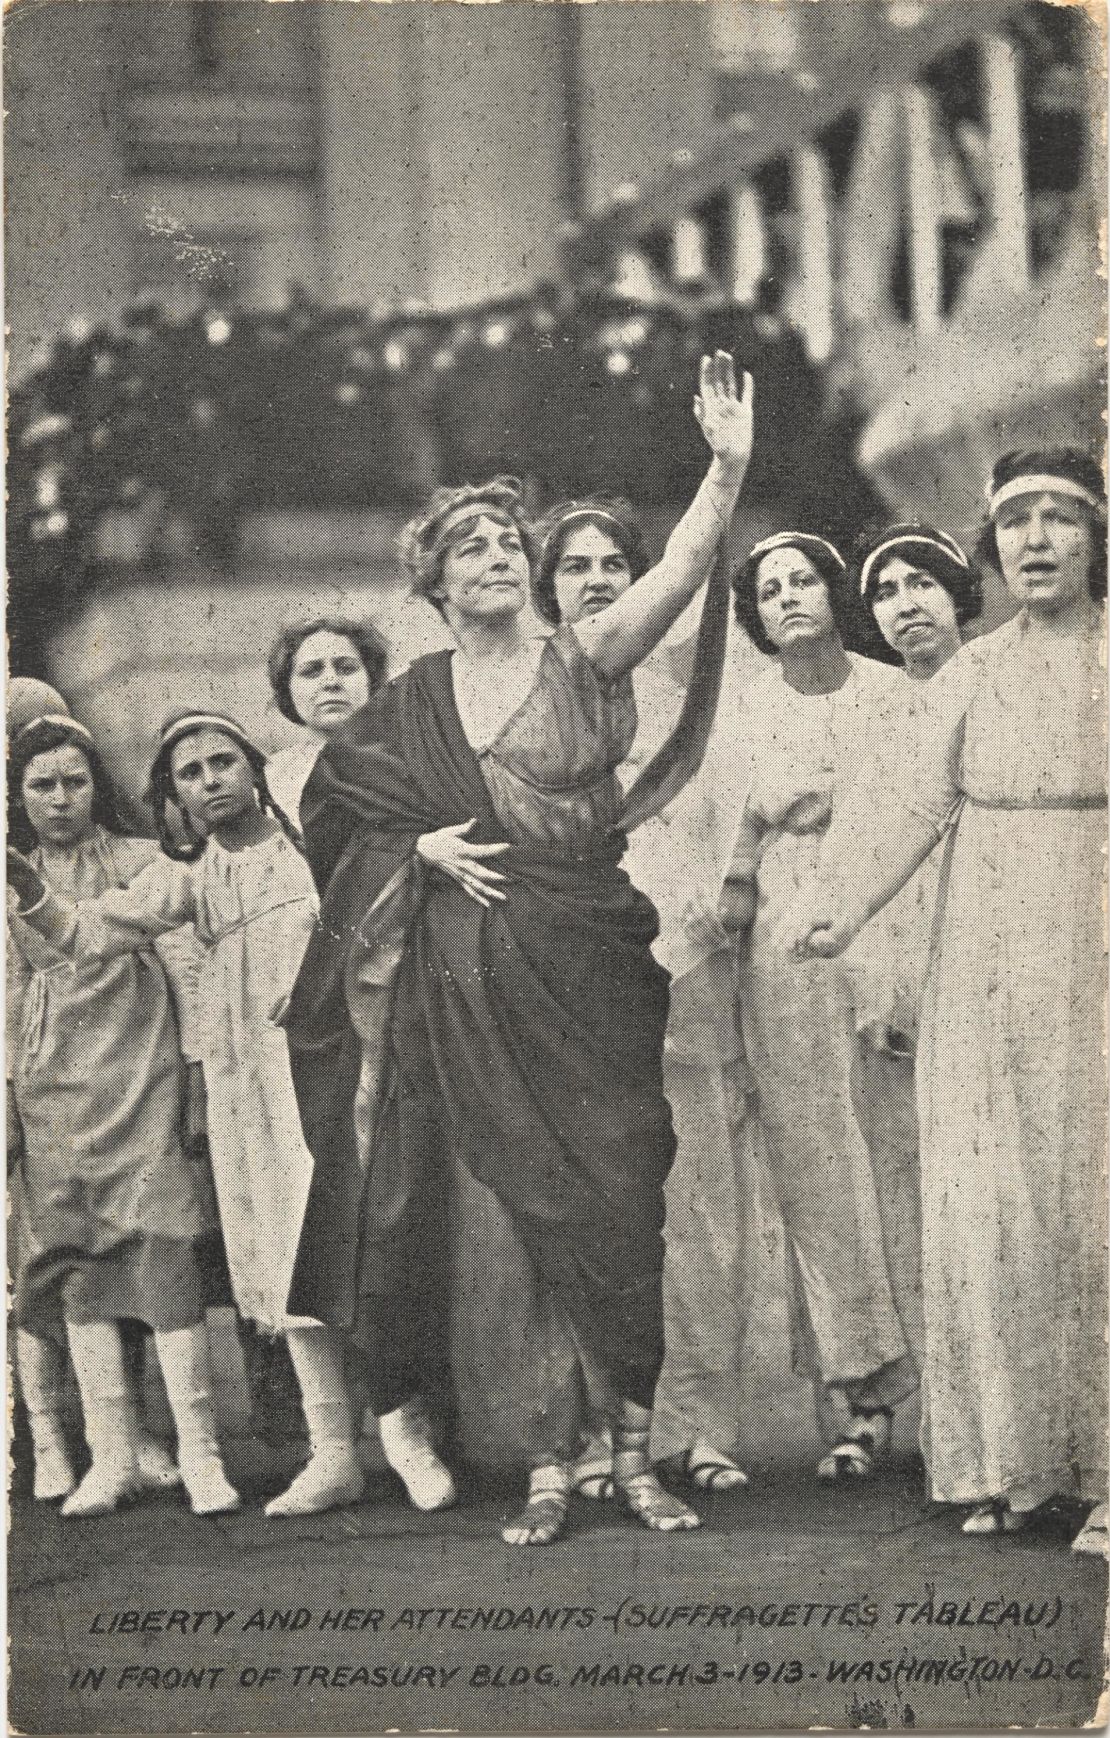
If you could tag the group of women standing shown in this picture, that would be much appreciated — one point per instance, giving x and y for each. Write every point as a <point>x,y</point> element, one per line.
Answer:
<point>423,986</point>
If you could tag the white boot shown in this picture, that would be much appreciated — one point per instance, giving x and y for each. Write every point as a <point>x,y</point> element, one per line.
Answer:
<point>158,1471</point>
<point>187,1373</point>
<point>407,1446</point>
<point>40,1364</point>
<point>332,1475</point>
<point>97,1355</point>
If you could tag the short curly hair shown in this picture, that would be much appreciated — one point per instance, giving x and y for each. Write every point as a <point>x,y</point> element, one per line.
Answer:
<point>1071,463</point>
<point>826,563</point>
<point>934,551</point>
<point>364,637</point>
<point>611,515</point>
<point>422,545</point>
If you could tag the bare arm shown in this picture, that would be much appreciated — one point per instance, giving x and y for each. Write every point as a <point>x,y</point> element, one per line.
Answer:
<point>620,637</point>
<point>880,836</point>
<point>719,917</point>
<point>827,919</point>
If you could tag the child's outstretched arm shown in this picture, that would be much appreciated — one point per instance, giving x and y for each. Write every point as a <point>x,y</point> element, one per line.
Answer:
<point>122,920</point>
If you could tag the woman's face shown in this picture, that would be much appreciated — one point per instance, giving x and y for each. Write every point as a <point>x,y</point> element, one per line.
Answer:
<point>485,573</point>
<point>590,574</point>
<point>328,682</point>
<point>914,613</point>
<point>1044,550</point>
<point>792,600</point>
<point>212,779</point>
<point>58,796</point>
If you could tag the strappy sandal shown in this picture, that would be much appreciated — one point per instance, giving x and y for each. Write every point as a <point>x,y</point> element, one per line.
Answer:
<point>846,1460</point>
<point>638,1488</point>
<point>995,1516</point>
<point>644,1498</point>
<point>710,1469</point>
<point>858,1453</point>
<point>595,1483</point>
<point>544,1515</point>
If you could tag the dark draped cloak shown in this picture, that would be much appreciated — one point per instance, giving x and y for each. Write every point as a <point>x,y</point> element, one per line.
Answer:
<point>526,1038</point>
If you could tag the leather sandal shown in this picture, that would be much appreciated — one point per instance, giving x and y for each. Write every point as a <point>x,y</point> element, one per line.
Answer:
<point>995,1516</point>
<point>710,1469</point>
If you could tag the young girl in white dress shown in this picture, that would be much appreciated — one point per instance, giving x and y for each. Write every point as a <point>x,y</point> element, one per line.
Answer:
<point>108,1212</point>
<point>240,878</point>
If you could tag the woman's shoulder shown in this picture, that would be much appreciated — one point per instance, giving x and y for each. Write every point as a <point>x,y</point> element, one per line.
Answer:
<point>963,672</point>
<point>564,661</point>
<point>118,859</point>
<point>377,724</point>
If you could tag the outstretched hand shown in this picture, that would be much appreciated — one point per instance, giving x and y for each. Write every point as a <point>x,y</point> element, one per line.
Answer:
<point>725,415</point>
<point>452,853</point>
<point>24,878</point>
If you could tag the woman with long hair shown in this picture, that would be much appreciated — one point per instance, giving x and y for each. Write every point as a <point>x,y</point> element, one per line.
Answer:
<point>232,866</point>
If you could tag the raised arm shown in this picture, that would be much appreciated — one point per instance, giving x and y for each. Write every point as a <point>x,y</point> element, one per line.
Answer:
<point>620,637</point>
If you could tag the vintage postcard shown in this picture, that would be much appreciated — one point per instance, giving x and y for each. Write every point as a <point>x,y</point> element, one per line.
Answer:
<point>557,813</point>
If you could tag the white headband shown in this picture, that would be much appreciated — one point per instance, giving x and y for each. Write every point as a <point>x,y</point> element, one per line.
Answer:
<point>62,718</point>
<point>795,540</point>
<point>583,513</point>
<point>1039,484</point>
<point>193,721</point>
<point>946,547</point>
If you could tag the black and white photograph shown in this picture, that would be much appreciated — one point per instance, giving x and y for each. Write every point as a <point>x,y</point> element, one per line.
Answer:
<point>556,881</point>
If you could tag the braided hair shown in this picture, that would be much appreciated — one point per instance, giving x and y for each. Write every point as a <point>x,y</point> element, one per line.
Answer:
<point>161,794</point>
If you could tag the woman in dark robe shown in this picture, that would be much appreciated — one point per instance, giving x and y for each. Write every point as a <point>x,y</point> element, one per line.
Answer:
<point>482,972</point>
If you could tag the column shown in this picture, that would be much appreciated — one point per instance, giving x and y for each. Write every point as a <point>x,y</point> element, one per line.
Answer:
<point>67,245</point>
<point>372,170</point>
<point>923,210</point>
<point>491,111</point>
<point>647,86</point>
